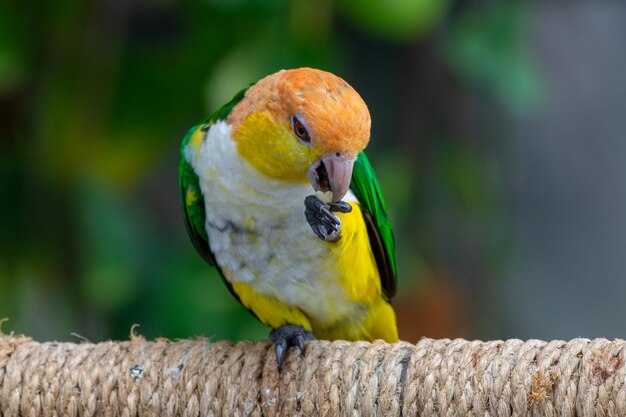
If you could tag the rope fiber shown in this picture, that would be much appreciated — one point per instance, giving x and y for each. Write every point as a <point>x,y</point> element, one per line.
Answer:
<point>200,378</point>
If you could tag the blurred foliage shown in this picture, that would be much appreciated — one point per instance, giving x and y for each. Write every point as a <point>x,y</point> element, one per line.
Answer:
<point>487,50</point>
<point>396,19</point>
<point>95,97</point>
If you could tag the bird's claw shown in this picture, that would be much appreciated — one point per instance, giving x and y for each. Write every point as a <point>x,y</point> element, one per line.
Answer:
<point>286,336</point>
<point>324,223</point>
<point>340,206</point>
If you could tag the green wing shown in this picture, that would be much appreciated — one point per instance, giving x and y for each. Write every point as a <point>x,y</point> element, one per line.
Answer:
<point>192,203</point>
<point>191,197</point>
<point>366,189</point>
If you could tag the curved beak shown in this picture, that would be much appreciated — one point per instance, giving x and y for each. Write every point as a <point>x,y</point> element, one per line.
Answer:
<point>332,173</point>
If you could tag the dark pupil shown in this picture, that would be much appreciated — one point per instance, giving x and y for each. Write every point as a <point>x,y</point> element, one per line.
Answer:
<point>300,130</point>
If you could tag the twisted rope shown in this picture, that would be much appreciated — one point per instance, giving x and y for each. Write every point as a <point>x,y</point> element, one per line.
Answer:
<point>200,378</point>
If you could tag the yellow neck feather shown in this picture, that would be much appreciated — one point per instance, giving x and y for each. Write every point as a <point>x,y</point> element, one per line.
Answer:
<point>271,148</point>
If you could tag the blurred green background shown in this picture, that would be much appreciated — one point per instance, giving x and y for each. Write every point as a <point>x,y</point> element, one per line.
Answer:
<point>491,124</point>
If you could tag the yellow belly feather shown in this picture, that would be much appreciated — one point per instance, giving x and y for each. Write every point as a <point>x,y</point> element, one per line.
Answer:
<point>358,275</point>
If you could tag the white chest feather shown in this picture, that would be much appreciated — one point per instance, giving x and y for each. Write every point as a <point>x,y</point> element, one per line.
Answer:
<point>258,232</point>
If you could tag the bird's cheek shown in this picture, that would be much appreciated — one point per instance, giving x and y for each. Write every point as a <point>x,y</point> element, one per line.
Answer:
<point>292,162</point>
<point>271,149</point>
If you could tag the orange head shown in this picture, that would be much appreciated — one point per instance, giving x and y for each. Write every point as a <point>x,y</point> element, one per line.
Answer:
<point>302,124</point>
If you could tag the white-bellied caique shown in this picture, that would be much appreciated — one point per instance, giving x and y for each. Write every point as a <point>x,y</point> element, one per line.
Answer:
<point>278,195</point>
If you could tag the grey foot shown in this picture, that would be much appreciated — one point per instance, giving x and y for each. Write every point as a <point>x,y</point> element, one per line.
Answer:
<point>287,336</point>
<point>324,223</point>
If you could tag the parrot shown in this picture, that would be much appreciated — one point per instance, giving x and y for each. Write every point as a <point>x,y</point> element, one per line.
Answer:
<point>279,196</point>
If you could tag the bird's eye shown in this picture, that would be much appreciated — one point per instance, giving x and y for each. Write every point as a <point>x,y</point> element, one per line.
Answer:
<point>299,130</point>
